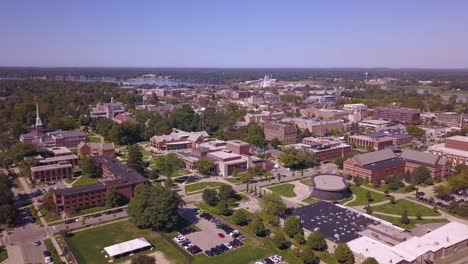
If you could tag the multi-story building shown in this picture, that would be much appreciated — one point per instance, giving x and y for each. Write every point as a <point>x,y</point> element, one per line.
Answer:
<point>318,128</point>
<point>399,114</point>
<point>353,108</point>
<point>179,139</point>
<point>455,149</point>
<point>326,150</point>
<point>108,110</point>
<point>376,125</point>
<point>439,166</point>
<point>325,113</point>
<point>258,118</point>
<point>384,163</point>
<point>452,119</point>
<point>114,174</point>
<point>375,165</point>
<point>96,149</point>
<point>51,172</point>
<point>72,159</point>
<point>380,140</point>
<point>287,134</point>
<point>56,138</point>
<point>434,133</point>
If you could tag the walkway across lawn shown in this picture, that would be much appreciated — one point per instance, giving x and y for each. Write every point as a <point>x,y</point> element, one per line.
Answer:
<point>87,245</point>
<point>404,205</point>
<point>286,190</point>
<point>361,197</point>
<point>84,180</point>
<point>202,185</point>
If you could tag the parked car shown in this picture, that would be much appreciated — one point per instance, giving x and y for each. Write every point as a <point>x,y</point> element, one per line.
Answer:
<point>46,253</point>
<point>37,243</point>
<point>221,235</point>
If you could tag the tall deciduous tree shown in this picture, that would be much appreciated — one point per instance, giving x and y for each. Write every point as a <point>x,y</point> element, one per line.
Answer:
<point>154,207</point>
<point>292,226</point>
<point>135,159</point>
<point>210,196</point>
<point>205,166</point>
<point>90,166</point>
<point>343,254</point>
<point>316,241</point>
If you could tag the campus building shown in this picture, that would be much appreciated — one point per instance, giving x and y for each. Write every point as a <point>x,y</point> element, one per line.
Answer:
<point>380,140</point>
<point>96,149</point>
<point>384,163</point>
<point>287,134</point>
<point>455,149</point>
<point>399,114</point>
<point>56,138</point>
<point>114,174</point>
<point>51,172</point>
<point>318,128</point>
<point>108,110</point>
<point>178,139</point>
<point>326,150</point>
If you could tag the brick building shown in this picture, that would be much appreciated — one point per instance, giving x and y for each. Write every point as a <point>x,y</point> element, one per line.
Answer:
<point>380,140</point>
<point>114,174</point>
<point>179,139</point>
<point>287,134</point>
<point>399,114</point>
<point>51,172</point>
<point>96,149</point>
<point>455,149</point>
<point>384,163</point>
<point>318,128</point>
<point>326,150</point>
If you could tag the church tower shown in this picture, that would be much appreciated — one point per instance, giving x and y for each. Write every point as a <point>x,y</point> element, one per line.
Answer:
<point>38,121</point>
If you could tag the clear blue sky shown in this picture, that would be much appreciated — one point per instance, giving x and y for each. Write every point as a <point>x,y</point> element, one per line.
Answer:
<point>235,33</point>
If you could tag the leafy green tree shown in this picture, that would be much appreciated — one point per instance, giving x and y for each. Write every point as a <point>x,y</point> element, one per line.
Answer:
<point>226,192</point>
<point>292,226</point>
<point>205,167</point>
<point>369,209</point>
<point>421,175</point>
<point>316,241</point>
<point>369,196</point>
<point>144,259</point>
<point>210,196</point>
<point>307,256</point>
<point>297,159</point>
<point>343,254</point>
<point>370,260</point>
<point>48,201</point>
<point>240,217</point>
<point>90,166</point>
<point>7,214</point>
<point>223,208</point>
<point>272,205</point>
<point>114,198</point>
<point>275,143</point>
<point>299,237</point>
<point>404,218</point>
<point>168,183</point>
<point>279,241</point>
<point>257,227</point>
<point>415,131</point>
<point>135,159</point>
<point>154,207</point>
<point>255,135</point>
<point>168,164</point>
<point>358,181</point>
<point>155,175</point>
<point>246,177</point>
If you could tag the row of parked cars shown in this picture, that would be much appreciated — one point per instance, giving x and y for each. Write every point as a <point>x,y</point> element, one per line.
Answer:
<point>222,248</point>
<point>445,198</point>
<point>270,260</point>
<point>47,257</point>
<point>185,243</point>
<point>222,226</point>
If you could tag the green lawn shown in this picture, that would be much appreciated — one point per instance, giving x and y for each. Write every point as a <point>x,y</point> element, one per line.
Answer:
<point>88,244</point>
<point>233,180</point>
<point>307,181</point>
<point>361,198</point>
<point>413,222</point>
<point>383,187</point>
<point>90,210</point>
<point>202,185</point>
<point>404,205</point>
<point>310,200</point>
<point>50,247</point>
<point>84,180</point>
<point>286,190</point>
<point>94,139</point>
<point>50,216</point>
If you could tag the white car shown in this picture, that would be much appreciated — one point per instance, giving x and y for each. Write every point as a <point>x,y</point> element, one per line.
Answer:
<point>188,246</point>
<point>228,246</point>
<point>47,259</point>
<point>279,257</point>
<point>235,232</point>
<point>274,259</point>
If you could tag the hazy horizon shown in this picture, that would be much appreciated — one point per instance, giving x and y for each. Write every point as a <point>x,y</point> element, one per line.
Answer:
<point>361,34</point>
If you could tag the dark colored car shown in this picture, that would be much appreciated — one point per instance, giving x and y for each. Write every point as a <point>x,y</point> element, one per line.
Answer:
<point>209,253</point>
<point>46,253</point>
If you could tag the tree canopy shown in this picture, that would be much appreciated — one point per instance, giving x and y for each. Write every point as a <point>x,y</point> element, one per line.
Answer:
<point>297,159</point>
<point>154,207</point>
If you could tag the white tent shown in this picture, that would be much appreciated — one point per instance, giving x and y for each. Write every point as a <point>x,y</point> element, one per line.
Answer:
<point>128,247</point>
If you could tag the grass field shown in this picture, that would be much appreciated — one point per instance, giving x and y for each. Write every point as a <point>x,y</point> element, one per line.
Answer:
<point>233,180</point>
<point>50,247</point>
<point>404,205</point>
<point>88,244</point>
<point>3,255</point>
<point>307,181</point>
<point>286,190</point>
<point>84,180</point>
<point>94,139</point>
<point>202,185</point>
<point>413,222</point>
<point>50,216</point>
<point>361,198</point>
<point>310,200</point>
